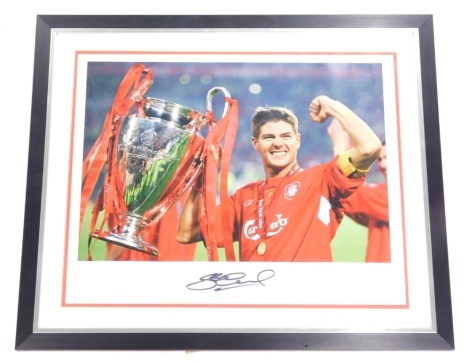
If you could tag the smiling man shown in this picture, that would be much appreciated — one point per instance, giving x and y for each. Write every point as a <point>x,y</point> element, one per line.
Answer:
<point>293,214</point>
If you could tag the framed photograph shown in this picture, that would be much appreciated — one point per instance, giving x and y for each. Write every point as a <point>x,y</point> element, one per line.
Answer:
<point>95,278</point>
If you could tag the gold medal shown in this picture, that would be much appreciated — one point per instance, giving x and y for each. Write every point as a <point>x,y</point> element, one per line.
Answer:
<point>261,248</point>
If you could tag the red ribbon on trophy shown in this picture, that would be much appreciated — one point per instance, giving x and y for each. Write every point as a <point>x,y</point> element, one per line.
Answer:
<point>131,90</point>
<point>214,225</point>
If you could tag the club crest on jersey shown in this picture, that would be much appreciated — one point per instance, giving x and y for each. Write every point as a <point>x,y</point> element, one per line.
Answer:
<point>291,190</point>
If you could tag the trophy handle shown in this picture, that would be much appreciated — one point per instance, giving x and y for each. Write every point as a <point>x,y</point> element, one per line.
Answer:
<point>211,94</point>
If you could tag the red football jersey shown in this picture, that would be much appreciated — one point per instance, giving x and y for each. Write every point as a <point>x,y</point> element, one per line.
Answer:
<point>301,219</point>
<point>369,207</point>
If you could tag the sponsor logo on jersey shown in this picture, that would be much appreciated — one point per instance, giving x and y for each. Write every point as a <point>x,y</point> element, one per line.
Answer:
<point>277,226</point>
<point>251,229</point>
<point>291,190</point>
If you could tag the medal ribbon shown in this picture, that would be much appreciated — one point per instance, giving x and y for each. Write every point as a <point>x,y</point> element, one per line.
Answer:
<point>260,207</point>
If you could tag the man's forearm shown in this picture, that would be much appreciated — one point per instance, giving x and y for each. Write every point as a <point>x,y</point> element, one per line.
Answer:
<point>189,230</point>
<point>366,144</point>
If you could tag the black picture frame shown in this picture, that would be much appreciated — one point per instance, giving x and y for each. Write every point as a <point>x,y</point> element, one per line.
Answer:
<point>27,339</point>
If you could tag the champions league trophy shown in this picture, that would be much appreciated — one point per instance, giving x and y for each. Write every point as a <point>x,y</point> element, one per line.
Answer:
<point>154,162</point>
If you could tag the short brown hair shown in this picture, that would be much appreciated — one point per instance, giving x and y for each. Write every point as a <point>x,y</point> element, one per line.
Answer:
<point>263,115</point>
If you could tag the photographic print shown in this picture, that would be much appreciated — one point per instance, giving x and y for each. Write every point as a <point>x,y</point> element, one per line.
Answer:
<point>290,85</point>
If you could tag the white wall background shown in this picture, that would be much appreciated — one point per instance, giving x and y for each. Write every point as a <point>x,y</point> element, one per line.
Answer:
<point>17,33</point>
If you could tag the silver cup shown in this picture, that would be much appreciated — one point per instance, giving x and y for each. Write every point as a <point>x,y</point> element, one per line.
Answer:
<point>154,164</point>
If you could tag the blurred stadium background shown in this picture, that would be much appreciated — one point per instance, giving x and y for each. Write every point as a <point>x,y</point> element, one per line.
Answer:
<point>290,85</point>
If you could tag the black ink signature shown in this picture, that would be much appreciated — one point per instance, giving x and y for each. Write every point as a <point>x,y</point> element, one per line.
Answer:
<point>218,281</point>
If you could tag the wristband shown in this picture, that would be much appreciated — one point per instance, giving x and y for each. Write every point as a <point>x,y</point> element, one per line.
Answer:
<point>347,168</point>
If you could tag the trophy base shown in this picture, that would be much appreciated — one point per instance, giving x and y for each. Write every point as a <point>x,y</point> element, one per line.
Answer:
<point>125,241</point>
<point>128,234</point>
